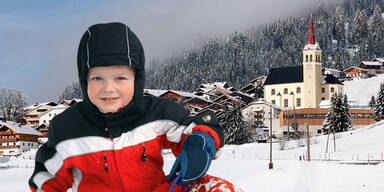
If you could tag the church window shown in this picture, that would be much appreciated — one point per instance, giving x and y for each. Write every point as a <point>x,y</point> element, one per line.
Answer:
<point>285,90</point>
<point>298,90</point>
<point>323,98</point>
<point>285,102</point>
<point>310,58</point>
<point>298,102</point>
<point>306,58</point>
<point>273,92</point>
<point>274,102</point>
<point>323,90</point>
<point>332,90</point>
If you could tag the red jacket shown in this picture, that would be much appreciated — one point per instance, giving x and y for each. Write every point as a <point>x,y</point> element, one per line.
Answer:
<point>87,158</point>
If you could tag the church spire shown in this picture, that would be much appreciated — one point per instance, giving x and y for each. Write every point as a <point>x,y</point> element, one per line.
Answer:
<point>311,38</point>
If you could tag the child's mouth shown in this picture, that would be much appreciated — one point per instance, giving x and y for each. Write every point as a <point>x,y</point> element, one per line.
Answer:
<point>109,100</point>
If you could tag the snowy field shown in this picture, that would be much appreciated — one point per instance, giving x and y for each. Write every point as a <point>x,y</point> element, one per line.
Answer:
<point>347,169</point>
<point>359,92</point>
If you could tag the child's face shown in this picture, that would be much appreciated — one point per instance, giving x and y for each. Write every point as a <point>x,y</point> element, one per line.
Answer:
<point>111,88</point>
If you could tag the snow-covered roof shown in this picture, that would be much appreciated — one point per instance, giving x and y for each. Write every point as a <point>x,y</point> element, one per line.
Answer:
<point>155,92</point>
<point>59,106</point>
<point>312,47</point>
<point>23,129</point>
<point>370,63</point>
<point>355,68</point>
<point>333,70</point>
<point>211,86</point>
<point>379,59</point>
<point>325,104</point>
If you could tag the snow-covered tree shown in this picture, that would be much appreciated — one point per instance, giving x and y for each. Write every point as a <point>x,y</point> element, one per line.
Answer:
<point>379,109</point>
<point>372,103</point>
<point>234,126</point>
<point>376,32</point>
<point>338,117</point>
<point>338,23</point>
<point>12,103</point>
<point>72,91</point>
<point>259,90</point>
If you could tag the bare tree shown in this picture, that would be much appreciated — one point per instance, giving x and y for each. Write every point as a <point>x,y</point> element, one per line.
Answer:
<point>72,91</point>
<point>12,102</point>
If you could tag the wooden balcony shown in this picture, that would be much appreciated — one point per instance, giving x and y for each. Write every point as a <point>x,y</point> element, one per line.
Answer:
<point>10,147</point>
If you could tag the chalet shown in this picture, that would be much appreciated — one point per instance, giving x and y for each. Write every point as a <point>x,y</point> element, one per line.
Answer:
<point>195,104</point>
<point>353,73</point>
<point>153,92</point>
<point>249,89</point>
<point>43,114</point>
<point>211,91</point>
<point>315,117</point>
<point>16,138</point>
<point>372,67</point>
<point>177,96</point>
<point>246,98</point>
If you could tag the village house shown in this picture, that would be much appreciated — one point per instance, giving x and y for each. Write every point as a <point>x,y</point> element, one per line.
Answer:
<point>258,113</point>
<point>16,138</point>
<point>177,96</point>
<point>32,116</point>
<point>372,67</point>
<point>353,73</point>
<point>43,114</point>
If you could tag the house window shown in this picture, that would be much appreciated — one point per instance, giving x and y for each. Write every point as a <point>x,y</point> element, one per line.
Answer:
<point>298,102</point>
<point>273,92</point>
<point>298,90</point>
<point>49,114</point>
<point>274,102</point>
<point>285,90</point>
<point>306,58</point>
<point>45,121</point>
<point>285,102</point>
<point>332,90</point>
<point>323,90</point>
<point>323,99</point>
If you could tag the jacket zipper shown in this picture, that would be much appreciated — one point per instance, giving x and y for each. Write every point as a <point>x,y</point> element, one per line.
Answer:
<point>105,164</point>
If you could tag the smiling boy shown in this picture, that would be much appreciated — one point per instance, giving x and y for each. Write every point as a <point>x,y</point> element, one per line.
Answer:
<point>113,140</point>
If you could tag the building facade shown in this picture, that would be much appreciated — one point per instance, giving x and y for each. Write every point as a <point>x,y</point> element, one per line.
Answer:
<point>302,86</point>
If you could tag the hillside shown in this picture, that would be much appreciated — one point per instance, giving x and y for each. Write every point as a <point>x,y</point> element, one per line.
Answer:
<point>347,33</point>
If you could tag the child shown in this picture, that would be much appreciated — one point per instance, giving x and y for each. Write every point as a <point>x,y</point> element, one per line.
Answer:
<point>112,141</point>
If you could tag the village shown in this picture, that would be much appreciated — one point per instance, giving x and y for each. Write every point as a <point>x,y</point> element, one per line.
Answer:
<point>286,101</point>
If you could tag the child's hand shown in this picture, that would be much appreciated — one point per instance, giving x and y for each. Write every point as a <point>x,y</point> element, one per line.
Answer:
<point>195,158</point>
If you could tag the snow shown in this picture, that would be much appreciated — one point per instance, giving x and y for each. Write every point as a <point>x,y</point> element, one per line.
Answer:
<point>247,165</point>
<point>312,47</point>
<point>359,92</point>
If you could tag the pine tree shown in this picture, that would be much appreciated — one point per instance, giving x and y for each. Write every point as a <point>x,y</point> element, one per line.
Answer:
<point>327,124</point>
<point>234,126</point>
<point>379,109</point>
<point>376,32</point>
<point>338,117</point>
<point>259,92</point>
<point>372,103</point>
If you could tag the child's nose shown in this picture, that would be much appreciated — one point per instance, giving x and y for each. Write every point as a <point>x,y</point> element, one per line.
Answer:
<point>108,86</point>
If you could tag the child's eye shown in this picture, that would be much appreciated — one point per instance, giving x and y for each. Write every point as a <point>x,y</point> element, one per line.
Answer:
<point>121,78</point>
<point>96,78</point>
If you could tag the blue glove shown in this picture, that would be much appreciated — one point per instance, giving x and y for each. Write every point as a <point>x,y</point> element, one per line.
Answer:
<point>195,158</point>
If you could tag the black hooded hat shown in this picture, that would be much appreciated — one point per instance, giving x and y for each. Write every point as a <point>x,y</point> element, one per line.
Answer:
<point>106,45</point>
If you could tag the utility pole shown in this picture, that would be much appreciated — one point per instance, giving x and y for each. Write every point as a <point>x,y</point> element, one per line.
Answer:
<point>270,139</point>
<point>334,137</point>
<point>308,146</point>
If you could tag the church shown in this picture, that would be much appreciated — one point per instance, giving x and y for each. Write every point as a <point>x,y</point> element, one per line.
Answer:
<point>302,86</point>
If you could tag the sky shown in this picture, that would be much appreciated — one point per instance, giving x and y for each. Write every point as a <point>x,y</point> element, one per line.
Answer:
<point>39,39</point>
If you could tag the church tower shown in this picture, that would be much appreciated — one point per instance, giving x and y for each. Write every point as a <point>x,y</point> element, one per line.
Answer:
<point>312,77</point>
